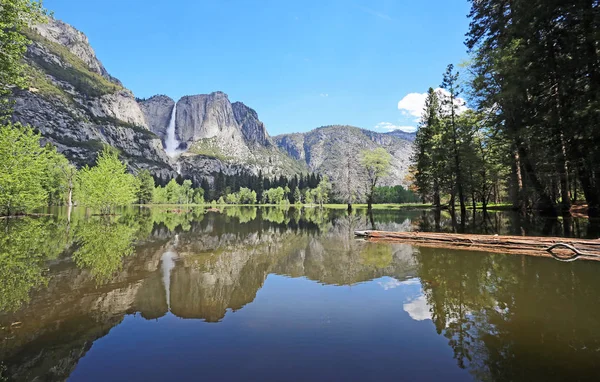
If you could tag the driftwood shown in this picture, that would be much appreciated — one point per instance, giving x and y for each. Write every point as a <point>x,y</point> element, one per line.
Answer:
<point>565,249</point>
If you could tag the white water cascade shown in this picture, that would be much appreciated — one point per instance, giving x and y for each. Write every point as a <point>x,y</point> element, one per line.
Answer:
<point>168,263</point>
<point>171,143</point>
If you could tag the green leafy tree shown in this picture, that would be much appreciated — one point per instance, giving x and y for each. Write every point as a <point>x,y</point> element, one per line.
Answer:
<point>377,164</point>
<point>198,196</point>
<point>298,196</point>
<point>159,196</point>
<point>322,191</point>
<point>23,165</point>
<point>186,192</point>
<point>106,185</point>
<point>15,15</point>
<point>146,187</point>
<point>172,190</point>
<point>308,196</point>
<point>247,196</point>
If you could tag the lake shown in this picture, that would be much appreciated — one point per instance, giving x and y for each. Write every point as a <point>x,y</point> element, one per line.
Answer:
<point>272,294</point>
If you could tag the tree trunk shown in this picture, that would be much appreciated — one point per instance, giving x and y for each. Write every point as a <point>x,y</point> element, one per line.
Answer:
<point>436,194</point>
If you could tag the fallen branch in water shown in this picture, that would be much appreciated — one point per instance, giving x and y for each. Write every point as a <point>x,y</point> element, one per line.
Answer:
<point>518,245</point>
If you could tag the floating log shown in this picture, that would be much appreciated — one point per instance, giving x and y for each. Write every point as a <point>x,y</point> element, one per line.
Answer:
<point>565,249</point>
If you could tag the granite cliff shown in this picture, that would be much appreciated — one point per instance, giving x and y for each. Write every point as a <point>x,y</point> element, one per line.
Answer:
<point>75,104</point>
<point>78,106</point>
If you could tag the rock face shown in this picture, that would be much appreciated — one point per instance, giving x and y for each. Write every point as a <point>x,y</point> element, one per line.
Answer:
<point>324,149</point>
<point>76,105</point>
<point>219,136</point>
<point>75,41</point>
<point>157,113</point>
<point>253,129</point>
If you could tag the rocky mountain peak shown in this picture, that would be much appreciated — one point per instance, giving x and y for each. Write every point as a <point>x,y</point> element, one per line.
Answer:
<point>75,41</point>
<point>253,129</point>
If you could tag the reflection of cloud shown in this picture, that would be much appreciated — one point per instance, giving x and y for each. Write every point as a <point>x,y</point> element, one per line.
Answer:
<point>390,284</point>
<point>418,309</point>
<point>413,281</point>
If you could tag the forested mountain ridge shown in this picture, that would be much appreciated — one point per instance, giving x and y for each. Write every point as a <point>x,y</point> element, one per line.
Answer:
<point>78,106</point>
<point>327,148</point>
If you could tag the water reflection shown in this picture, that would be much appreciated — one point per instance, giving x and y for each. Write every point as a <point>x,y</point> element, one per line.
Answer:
<point>510,318</point>
<point>501,317</point>
<point>102,244</point>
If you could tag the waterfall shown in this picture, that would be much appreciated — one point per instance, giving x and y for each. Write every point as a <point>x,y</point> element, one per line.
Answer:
<point>171,143</point>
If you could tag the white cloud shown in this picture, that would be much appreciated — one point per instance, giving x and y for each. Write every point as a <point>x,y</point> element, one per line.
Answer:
<point>324,95</point>
<point>390,127</point>
<point>413,103</point>
<point>418,309</point>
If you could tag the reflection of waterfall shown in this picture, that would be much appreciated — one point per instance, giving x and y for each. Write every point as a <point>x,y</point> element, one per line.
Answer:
<point>168,263</point>
<point>171,143</point>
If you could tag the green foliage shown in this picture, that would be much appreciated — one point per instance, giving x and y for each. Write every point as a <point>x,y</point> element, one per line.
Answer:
<point>23,165</point>
<point>243,214</point>
<point>198,197</point>
<point>540,97</point>
<point>396,194</point>
<point>106,185</point>
<point>102,246</point>
<point>146,187</point>
<point>59,178</point>
<point>377,255</point>
<point>15,15</point>
<point>377,164</point>
<point>298,196</point>
<point>322,191</point>
<point>274,196</point>
<point>243,196</point>
<point>25,245</point>
<point>38,80</point>
<point>174,193</point>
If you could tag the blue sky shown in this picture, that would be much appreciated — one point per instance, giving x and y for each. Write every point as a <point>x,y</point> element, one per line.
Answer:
<point>299,64</point>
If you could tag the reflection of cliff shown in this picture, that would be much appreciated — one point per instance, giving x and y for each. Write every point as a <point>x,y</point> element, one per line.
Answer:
<point>226,271</point>
<point>221,264</point>
<point>59,324</point>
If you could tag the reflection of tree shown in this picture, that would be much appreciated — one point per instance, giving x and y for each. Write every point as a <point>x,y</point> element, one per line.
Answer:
<point>25,244</point>
<point>275,214</point>
<point>514,318</point>
<point>376,255</point>
<point>102,245</point>
<point>172,220</point>
<point>243,214</point>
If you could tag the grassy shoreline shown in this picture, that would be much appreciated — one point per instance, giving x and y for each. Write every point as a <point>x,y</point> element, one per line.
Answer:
<point>329,206</point>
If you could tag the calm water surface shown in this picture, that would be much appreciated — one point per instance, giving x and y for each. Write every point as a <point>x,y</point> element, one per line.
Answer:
<point>288,295</point>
